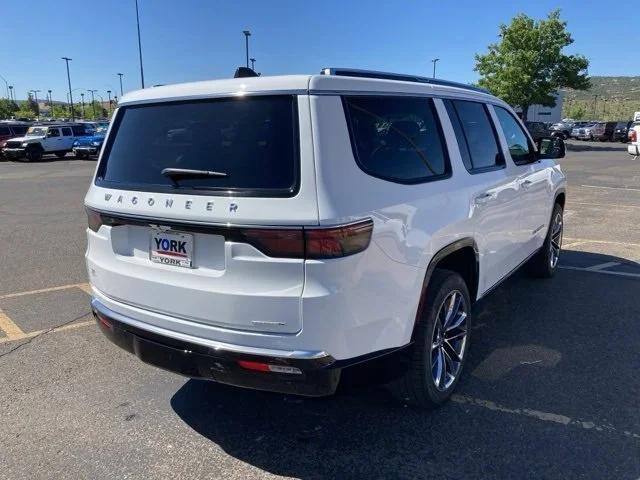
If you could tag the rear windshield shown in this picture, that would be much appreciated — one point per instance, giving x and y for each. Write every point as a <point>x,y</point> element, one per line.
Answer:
<point>251,140</point>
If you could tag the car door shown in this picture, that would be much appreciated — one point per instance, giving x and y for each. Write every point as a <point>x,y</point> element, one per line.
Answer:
<point>53,140</point>
<point>493,191</point>
<point>533,179</point>
<point>67,138</point>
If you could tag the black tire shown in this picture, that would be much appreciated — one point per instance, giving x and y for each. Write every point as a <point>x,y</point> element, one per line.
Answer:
<point>81,155</point>
<point>61,154</point>
<point>34,154</point>
<point>542,264</point>
<point>417,386</point>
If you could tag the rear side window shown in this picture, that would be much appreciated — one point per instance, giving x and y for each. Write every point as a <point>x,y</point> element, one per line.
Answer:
<point>397,138</point>
<point>19,130</point>
<point>252,141</point>
<point>5,131</point>
<point>520,149</point>
<point>476,136</point>
<point>66,131</point>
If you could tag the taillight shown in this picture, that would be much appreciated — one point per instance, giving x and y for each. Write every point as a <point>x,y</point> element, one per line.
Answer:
<point>633,135</point>
<point>275,242</point>
<point>268,367</point>
<point>337,241</point>
<point>94,219</point>
<point>310,243</point>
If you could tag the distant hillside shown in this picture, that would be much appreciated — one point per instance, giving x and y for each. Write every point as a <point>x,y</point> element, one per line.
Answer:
<point>617,99</point>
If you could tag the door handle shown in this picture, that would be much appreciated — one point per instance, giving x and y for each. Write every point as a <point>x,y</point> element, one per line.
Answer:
<point>526,183</point>
<point>483,198</point>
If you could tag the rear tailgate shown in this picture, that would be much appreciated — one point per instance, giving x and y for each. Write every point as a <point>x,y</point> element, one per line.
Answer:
<point>178,245</point>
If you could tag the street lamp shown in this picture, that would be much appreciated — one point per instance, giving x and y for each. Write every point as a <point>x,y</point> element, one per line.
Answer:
<point>120,75</point>
<point>11,94</point>
<point>253,64</point>
<point>139,47</point>
<point>82,96</point>
<point>93,102</point>
<point>434,61</point>
<point>6,84</point>
<point>595,103</point>
<point>247,34</point>
<point>35,92</point>
<point>50,104</point>
<point>109,93</point>
<point>67,60</point>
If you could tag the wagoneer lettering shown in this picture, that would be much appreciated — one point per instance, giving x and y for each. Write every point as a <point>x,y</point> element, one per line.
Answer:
<point>274,239</point>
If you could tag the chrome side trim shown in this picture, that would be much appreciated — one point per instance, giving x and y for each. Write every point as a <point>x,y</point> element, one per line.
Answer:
<point>220,346</point>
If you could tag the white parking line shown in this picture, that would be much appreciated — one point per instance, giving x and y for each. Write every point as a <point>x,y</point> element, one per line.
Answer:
<point>602,272</point>
<point>542,416</point>
<point>602,266</point>
<point>612,188</point>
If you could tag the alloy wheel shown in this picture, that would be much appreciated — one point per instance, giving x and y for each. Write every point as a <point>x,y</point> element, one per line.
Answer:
<point>448,344</point>
<point>556,240</point>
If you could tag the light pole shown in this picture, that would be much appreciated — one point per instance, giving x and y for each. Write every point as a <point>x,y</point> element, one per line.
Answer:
<point>434,61</point>
<point>109,93</point>
<point>253,64</point>
<point>82,97</point>
<point>11,93</point>
<point>595,103</point>
<point>50,104</point>
<point>93,103</point>
<point>35,93</point>
<point>73,116</point>
<point>247,34</point>
<point>6,84</point>
<point>139,47</point>
<point>120,75</point>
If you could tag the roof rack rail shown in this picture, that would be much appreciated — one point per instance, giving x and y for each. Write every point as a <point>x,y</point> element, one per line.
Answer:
<point>353,72</point>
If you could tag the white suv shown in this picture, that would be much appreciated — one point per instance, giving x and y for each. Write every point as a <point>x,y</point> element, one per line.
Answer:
<point>41,139</point>
<point>270,232</point>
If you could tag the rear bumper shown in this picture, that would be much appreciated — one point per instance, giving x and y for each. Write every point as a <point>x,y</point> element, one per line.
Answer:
<point>633,149</point>
<point>319,372</point>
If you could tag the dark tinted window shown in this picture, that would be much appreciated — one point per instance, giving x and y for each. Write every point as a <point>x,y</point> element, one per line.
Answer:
<point>5,131</point>
<point>397,138</point>
<point>476,137</point>
<point>53,132</point>
<point>66,131</point>
<point>19,130</point>
<point>517,140</point>
<point>252,139</point>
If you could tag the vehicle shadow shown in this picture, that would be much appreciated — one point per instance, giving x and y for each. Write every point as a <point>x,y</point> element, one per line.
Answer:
<point>538,347</point>
<point>575,146</point>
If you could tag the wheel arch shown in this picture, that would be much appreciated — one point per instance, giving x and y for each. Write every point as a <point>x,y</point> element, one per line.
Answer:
<point>560,198</point>
<point>461,257</point>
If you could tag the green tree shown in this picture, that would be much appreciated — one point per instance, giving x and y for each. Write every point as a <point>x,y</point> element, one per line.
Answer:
<point>527,67</point>
<point>576,111</point>
<point>7,108</point>
<point>32,105</point>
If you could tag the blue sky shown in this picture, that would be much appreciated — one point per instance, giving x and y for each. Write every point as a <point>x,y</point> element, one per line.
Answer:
<point>202,39</point>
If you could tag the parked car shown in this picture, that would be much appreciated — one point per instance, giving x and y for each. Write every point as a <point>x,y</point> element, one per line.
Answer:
<point>583,133</point>
<point>11,129</point>
<point>226,240</point>
<point>42,139</point>
<point>538,130</point>
<point>603,131</point>
<point>621,132</point>
<point>86,146</point>
<point>561,129</point>
<point>634,140</point>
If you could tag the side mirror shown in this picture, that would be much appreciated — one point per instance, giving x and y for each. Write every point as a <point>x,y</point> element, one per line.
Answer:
<point>550,147</point>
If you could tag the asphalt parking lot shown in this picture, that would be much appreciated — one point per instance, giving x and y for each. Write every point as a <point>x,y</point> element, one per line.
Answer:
<point>551,389</point>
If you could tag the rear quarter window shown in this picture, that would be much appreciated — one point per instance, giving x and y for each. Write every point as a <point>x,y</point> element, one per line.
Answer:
<point>254,140</point>
<point>398,139</point>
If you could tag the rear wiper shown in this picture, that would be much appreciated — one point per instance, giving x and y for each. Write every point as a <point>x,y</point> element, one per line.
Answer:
<point>175,173</point>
